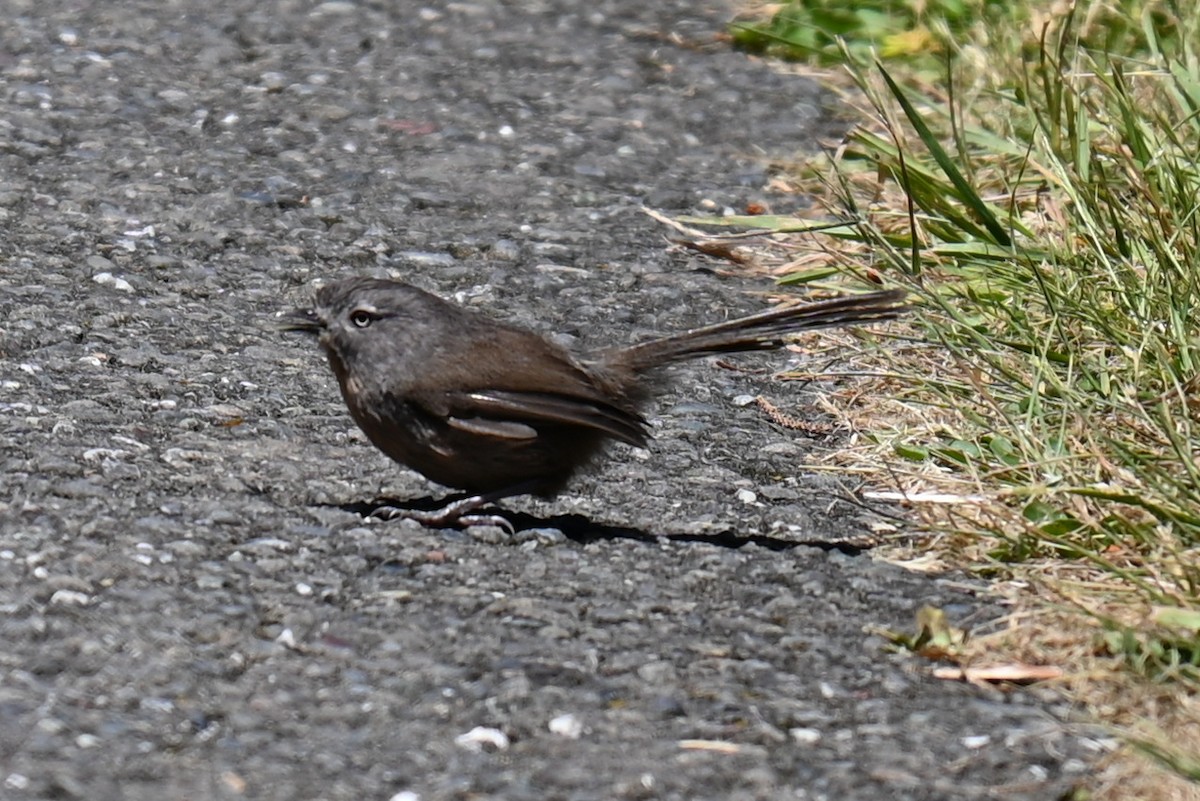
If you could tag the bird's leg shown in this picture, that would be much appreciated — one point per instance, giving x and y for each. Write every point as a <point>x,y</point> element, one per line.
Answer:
<point>459,512</point>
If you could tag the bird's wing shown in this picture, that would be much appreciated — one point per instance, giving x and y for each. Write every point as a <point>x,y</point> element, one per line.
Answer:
<point>516,414</point>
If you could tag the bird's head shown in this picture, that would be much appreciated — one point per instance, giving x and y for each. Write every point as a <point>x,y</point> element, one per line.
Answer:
<point>368,319</point>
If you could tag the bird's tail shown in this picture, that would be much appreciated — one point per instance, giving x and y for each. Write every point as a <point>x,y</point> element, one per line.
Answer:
<point>767,330</point>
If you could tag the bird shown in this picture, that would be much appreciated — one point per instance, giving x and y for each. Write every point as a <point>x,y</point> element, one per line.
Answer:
<point>496,410</point>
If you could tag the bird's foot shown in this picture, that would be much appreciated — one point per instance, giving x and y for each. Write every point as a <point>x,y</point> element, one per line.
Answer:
<point>458,513</point>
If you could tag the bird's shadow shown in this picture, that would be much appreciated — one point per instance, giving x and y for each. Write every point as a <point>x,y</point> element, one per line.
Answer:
<point>583,530</point>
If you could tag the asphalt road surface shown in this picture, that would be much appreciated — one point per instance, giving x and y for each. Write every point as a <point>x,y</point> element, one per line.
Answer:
<point>190,606</point>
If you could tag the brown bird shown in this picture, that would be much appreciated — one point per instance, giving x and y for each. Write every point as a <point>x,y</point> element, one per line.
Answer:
<point>496,410</point>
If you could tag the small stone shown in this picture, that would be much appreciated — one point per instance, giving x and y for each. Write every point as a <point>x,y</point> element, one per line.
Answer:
<point>505,250</point>
<point>69,598</point>
<point>177,98</point>
<point>490,535</point>
<point>482,738</point>
<point>540,536</point>
<point>108,279</point>
<point>274,81</point>
<point>567,725</point>
<point>805,736</point>
<point>16,781</point>
<point>334,7</point>
<point>659,672</point>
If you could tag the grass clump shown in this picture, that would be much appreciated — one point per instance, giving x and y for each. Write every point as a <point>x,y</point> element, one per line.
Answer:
<point>1042,196</point>
<point>806,30</point>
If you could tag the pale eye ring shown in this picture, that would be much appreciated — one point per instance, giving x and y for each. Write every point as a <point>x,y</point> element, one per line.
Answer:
<point>361,318</point>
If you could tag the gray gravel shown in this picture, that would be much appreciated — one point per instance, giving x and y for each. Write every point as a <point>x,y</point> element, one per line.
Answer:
<point>189,606</point>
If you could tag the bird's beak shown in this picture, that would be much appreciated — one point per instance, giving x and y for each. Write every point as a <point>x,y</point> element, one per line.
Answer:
<point>305,320</point>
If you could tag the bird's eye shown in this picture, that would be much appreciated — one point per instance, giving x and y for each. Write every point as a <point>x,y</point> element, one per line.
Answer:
<point>361,318</point>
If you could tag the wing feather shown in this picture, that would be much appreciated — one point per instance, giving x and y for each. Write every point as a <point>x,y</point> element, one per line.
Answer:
<point>549,408</point>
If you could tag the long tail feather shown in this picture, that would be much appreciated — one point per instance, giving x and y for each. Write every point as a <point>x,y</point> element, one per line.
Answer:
<point>767,330</point>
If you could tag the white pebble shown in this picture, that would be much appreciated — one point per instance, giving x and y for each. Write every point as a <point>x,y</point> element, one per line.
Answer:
<point>481,737</point>
<point>100,454</point>
<point>16,781</point>
<point>805,736</point>
<point>567,726</point>
<point>108,279</point>
<point>69,597</point>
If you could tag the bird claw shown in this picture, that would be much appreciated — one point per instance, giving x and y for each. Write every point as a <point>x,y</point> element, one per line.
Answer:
<point>456,514</point>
